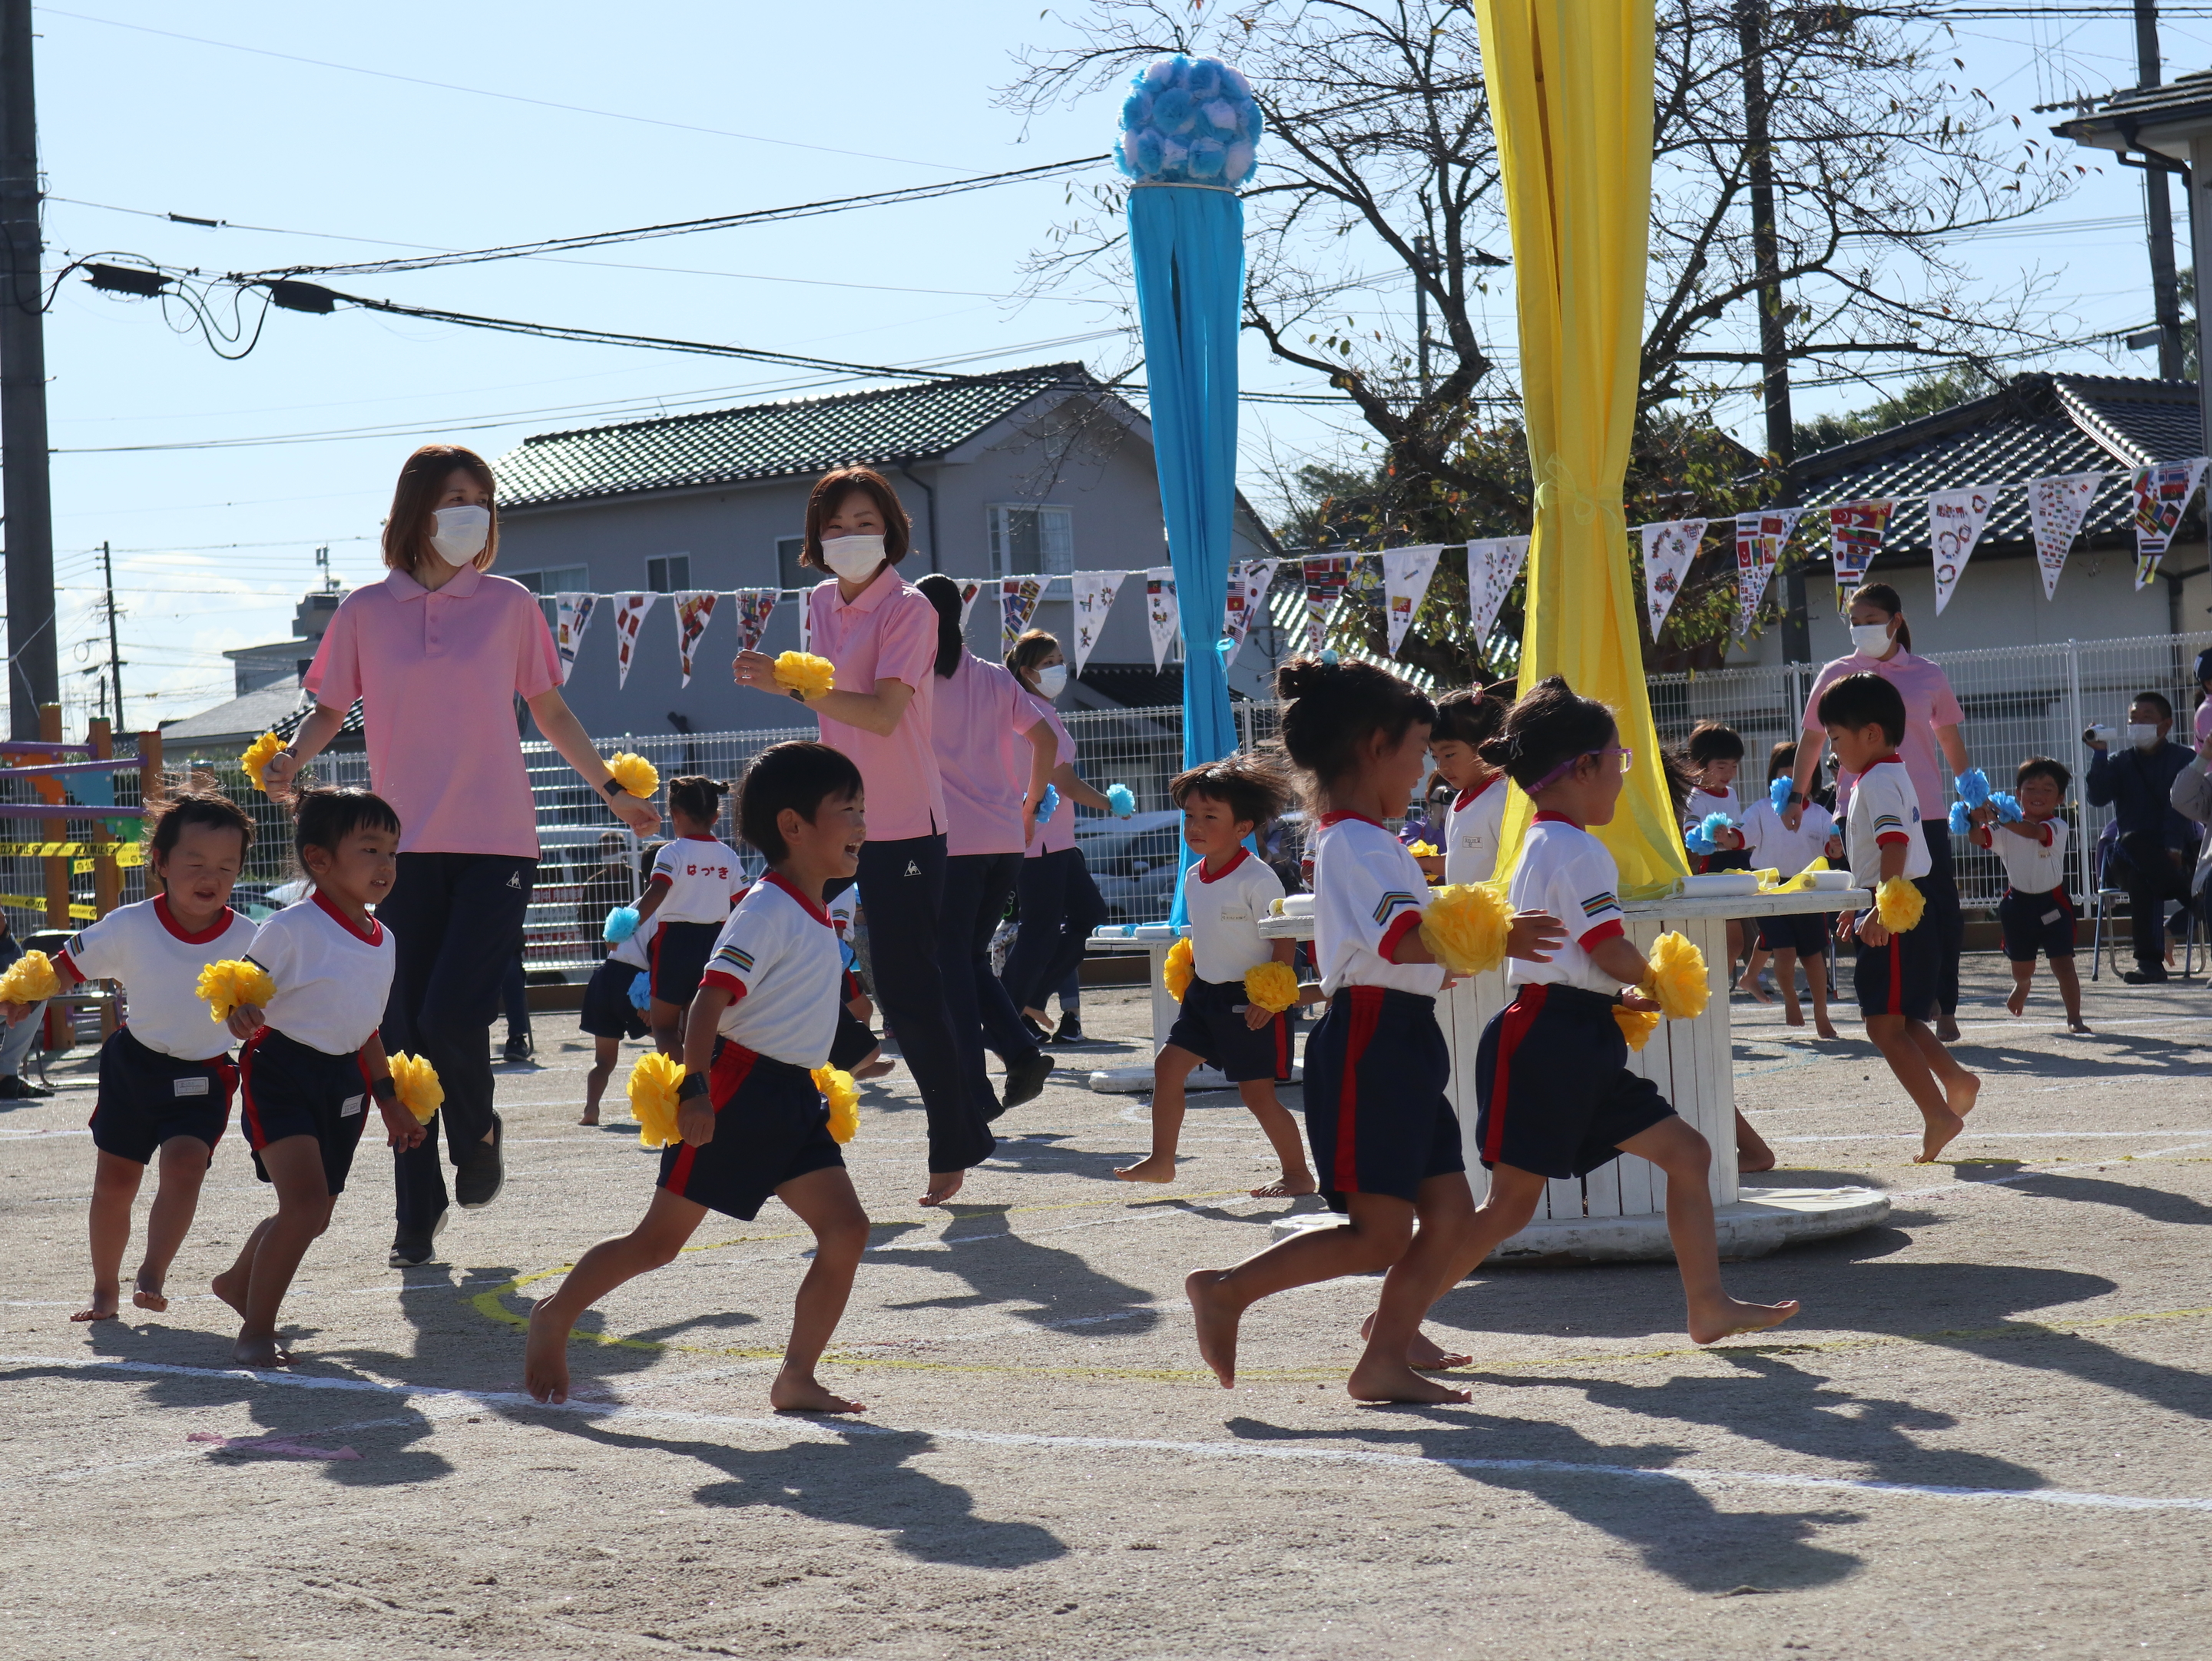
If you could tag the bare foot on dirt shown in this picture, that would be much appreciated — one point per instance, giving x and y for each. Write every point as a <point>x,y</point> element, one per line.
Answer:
<point>801,1392</point>
<point>1153,1168</point>
<point>1753,987</point>
<point>592,1117</point>
<point>1728,1316</point>
<point>874,1070</point>
<point>1793,1014</point>
<point>269,1351</point>
<point>1423,1355</point>
<point>147,1293</point>
<point>101,1308</point>
<point>1394,1381</point>
<point>1947,1029</point>
<point>545,1360</point>
<point>2079,1026</point>
<point>1288,1186</point>
<point>231,1288</point>
<point>1826,1029</point>
<point>1940,1129</point>
<point>1216,1315</point>
<point>943,1185</point>
<point>2018,1002</point>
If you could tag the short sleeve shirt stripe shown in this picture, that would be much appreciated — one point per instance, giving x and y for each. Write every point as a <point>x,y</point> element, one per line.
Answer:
<point>778,959</point>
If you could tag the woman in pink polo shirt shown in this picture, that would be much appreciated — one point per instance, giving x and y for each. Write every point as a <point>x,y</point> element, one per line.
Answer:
<point>882,635</point>
<point>1882,645</point>
<point>437,653</point>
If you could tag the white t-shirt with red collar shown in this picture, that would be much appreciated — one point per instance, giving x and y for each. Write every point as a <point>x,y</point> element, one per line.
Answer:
<point>159,965</point>
<point>1472,829</point>
<point>778,959</point>
<point>1368,896</point>
<point>704,879</point>
<point>332,979</point>
<point>1224,908</point>
<point>2034,865</point>
<point>1569,872</point>
<point>1885,809</point>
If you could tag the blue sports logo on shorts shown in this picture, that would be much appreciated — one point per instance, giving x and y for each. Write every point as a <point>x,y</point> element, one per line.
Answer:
<point>1391,902</point>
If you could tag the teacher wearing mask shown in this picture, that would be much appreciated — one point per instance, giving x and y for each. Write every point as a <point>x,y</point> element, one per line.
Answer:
<point>437,653</point>
<point>881,635</point>
<point>1882,645</point>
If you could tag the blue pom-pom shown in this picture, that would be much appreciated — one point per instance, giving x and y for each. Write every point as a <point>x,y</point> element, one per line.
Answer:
<point>1163,73</point>
<point>1203,78</point>
<point>1136,109</point>
<point>1779,792</point>
<point>1961,818</point>
<point>641,990</point>
<point>1207,157</point>
<point>2008,806</point>
<point>1697,841</point>
<point>1122,800</point>
<point>1973,786</point>
<point>1714,825</point>
<point>1172,114</point>
<point>1328,654</point>
<point>1047,804</point>
<point>622,923</point>
<point>1149,152</point>
<point>1188,121</point>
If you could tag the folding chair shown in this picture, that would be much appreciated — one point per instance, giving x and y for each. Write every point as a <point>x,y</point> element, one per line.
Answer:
<point>2103,903</point>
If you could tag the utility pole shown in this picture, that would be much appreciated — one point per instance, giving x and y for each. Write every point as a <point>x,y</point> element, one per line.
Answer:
<point>2158,212</point>
<point>1773,335</point>
<point>1425,253</point>
<point>34,665</point>
<point>114,651</point>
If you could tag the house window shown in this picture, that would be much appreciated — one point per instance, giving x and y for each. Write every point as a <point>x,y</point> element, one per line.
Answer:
<point>789,573</point>
<point>554,580</point>
<point>1025,539</point>
<point>667,574</point>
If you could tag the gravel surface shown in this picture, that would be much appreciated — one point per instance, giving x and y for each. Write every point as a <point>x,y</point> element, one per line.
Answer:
<point>1985,1435</point>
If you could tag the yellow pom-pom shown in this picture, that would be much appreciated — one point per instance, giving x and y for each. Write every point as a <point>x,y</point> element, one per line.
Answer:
<point>1180,969</point>
<point>836,1085</point>
<point>1899,902</point>
<point>1465,927</point>
<point>30,979</point>
<point>1423,850</point>
<point>1678,980</point>
<point>234,982</point>
<point>635,773</point>
<point>264,748</point>
<point>1273,985</point>
<point>804,674</point>
<point>417,1080</point>
<point>1636,1025</point>
<point>653,1083</point>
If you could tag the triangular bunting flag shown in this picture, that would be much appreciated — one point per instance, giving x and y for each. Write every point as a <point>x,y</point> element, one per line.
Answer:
<point>1326,577</point>
<point>1018,604</point>
<point>693,607</point>
<point>969,590</point>
<point>1093,594</point>
<point>1955,519</point>
<point>1492,567</point>
<point>1161,616</point>
<point>1405,574</point>
<point>572,615</point>
<point>754,607</point>
<point>1669,550</point>
<point>1248,595</point>
<point>2056,508</point>
<point>629,617</point>
<point>1759,539</point>
<point>2161,493</point>
<point>1855,533</point>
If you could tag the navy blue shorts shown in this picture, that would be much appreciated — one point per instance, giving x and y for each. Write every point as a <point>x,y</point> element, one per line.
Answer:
<point>146,1098</point>
<point>1212,1027</point>
<point>1903,977</point>
<point>1556,1097</point>
<point>680,951</point>
<point>608,1013</point>
<point>2034,923</point>
<point>287,1088</point>
<point>1805,933</point>
<point>771,1125</point>
<point>1377,1114</point>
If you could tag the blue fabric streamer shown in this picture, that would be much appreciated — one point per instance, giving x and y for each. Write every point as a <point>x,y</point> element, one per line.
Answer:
<point>622,923</point>
<point>1972,786</point>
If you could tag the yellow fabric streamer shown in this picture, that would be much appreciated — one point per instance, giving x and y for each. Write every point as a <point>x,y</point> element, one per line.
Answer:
<point>1636,1025</point>
<point>1423,850</point>
<point>1179,970</point>
<point>30,979</point>
<point>804,674</point>
<point>233,983</point>
<point>258,758</point>
<point>1678,980</point>
<point>1465,926</point>
<point>653,1083</point>
<point>1273,985</point>
<point>635,773</point>
<point>843,1096</point>
<point>1899,902</point>
<point>1770,882</point>
<point>417,1080</point>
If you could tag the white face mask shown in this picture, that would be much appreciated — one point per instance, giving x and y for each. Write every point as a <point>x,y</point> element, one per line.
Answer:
<point>2143,737</point>
<point>854,558</point>
<point>1871,638</point>
<point>459,533</point>
<point>1052,680</point>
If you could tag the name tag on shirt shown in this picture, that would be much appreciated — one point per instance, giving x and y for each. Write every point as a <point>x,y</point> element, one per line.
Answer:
<point>350,1106</point>
<point>1235,913</point>
<point>194,1084</point>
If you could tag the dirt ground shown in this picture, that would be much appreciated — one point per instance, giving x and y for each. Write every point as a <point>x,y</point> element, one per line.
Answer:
<point>1985,1435</point>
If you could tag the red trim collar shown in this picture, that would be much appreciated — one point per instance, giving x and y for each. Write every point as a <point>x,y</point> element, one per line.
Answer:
<point>373,934</point>
<point>1342,814</point>
<point>688,836</point>
<point>1242,853</point>
<point>1548,816</point>
<point>212,932</point>
<point>1879,760</point>
<point>1707,790</point>
<point>1467,799</point>
<point>776,878</point>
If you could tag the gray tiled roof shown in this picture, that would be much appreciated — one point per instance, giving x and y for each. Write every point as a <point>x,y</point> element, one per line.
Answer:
<point>2190,96</point>
<point>2034,426</point>
<point>771,440</point>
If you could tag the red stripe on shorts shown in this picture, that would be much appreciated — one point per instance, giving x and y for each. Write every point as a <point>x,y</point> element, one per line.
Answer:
<point>245,1091</point>
<point>729,1071</point>
<point>1896,976</point>
<point>227,1070</point>
<point>1520,1015</point>
<point>1366,1015</point>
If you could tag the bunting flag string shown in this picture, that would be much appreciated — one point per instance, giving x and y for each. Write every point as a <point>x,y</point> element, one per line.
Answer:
<point>1161,615</point>
<point>1855,530</point>
<point>1955,519</point>
<point>1492,568</point>
<point>2056,509</point>
<point>969,590</point>
<point>1669,550</point>
<point>1248,594</point>
<point>1018,604</point>
<point>629,617</point>
<point>2160,493</point>
<point>755,605</point>
<point>1405,576</point>
<point>1326,577</point>
<point>1760,538</point>
<point>1093,593</point>
<point>572,615</point>
<point>694,607</point>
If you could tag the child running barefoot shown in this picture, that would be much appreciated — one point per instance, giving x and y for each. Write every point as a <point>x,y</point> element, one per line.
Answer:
<point>1897,967</point>
<point>165,1076</point>
<point>1384,1137</point>
<point>1225,894</point>
<point>1796,937</point>
<point>696,879</point>
<point>752,1121</point>
<point>2035,914</point>
<point>312,1059</point>
<point>610,1014</point>
<point>1477,813</point>
<point>1557,1098</point>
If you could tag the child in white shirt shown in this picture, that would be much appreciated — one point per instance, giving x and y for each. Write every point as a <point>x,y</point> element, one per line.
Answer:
<point>1715,755</point>
<point>1468,851</point>
<point>2036,913</point>
<point>696,879</point>
<point>1799,936</point>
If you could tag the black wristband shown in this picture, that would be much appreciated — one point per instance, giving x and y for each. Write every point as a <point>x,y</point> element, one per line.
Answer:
<point>695,1084</point>
<point>383,1089</point>
<point>612,788</point>
<point>1797,798</point>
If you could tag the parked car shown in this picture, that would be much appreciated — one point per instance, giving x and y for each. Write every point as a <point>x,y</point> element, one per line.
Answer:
<point>1136,863</point>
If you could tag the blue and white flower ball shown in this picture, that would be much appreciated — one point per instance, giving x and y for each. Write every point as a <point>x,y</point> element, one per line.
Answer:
<point>1188,121</point>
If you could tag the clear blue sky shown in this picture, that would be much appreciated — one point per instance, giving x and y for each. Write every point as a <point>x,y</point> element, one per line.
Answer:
<point>215,545</point>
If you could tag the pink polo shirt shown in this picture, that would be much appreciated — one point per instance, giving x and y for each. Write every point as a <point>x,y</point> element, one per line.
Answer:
<point>1929,704</point>
<point>977,710</point>
<point>1057,834</point>
<point>437,676</point>
<point>888,633</point>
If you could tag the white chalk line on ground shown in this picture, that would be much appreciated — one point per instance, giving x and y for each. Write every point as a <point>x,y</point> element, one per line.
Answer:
<point>809,1430</point>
